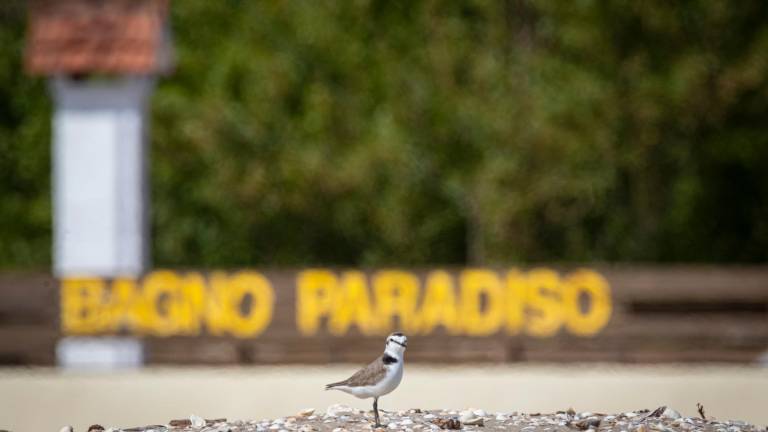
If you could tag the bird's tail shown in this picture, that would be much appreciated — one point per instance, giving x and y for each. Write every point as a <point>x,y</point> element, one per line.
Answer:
<point>336,384</point>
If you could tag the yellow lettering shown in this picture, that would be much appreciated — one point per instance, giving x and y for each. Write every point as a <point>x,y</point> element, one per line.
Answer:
<point>124,306</point>
<point>161,308</point>
<point>439,304</point>
<point>596,288</point>
<point>164,303</point>
<point>217,311</point>
<point>482,302</point>
<point>81,306</point>
<point>353,306</point>
<point>544,307</point>
<point>396,296</point>
<point>517,287</point>
<point>253,321</point>
<point>192,304</point>
<point>315,296</point>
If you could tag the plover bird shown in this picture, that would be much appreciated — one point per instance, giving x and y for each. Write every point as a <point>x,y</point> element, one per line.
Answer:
<point>378,378</point>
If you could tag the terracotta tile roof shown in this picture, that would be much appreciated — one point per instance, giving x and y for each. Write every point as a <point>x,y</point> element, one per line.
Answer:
<point>105,36</point>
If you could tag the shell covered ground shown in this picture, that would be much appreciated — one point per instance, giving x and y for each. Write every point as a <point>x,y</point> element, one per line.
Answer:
<point>341,418</point>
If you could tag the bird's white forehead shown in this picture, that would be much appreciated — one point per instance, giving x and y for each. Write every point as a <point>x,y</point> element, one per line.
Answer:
<point>398,337</point>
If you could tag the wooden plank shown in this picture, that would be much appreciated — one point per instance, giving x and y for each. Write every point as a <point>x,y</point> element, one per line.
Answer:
<point>27,345</point>
<point>28,299</point>
<point>688,283</point>
<point>660,314</point>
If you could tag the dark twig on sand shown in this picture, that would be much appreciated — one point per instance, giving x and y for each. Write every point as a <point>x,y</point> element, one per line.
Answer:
<point>700,407</point>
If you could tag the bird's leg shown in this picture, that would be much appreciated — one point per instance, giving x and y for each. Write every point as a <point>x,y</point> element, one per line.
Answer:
<point>376,411</point>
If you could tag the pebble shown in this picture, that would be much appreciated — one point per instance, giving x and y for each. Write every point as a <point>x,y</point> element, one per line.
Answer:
<point>342,418</point>
<point>197,421</point>
<point>338,409</point>
<point>476,421</point>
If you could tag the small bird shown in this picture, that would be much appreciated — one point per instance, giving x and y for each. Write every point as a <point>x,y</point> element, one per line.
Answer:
<point>378,378</point>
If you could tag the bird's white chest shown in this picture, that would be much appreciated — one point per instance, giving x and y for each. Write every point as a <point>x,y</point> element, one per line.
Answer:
<point>393,378</point>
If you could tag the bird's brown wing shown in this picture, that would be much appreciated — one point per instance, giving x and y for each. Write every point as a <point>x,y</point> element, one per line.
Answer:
<point>368,375</point>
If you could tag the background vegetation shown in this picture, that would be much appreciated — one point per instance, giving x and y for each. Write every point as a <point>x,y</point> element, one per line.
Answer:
<point>380,133</point>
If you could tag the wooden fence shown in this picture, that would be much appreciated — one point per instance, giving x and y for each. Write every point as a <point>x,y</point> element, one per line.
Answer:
<point>658,314</point>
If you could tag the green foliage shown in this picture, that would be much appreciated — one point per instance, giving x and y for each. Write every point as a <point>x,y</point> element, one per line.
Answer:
<point>413,133</point>
<point>25,118</point>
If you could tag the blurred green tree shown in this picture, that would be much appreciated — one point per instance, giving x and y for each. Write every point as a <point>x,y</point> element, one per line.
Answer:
<point>25,118</point>
<point>413,133</point>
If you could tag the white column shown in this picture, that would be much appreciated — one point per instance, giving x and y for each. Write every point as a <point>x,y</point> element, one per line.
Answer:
<point>99,177</point>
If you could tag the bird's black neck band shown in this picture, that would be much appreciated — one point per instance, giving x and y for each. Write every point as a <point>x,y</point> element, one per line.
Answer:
<point>388,359</point>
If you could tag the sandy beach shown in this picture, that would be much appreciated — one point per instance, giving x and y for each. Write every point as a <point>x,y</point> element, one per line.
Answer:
<point>46,399</point>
